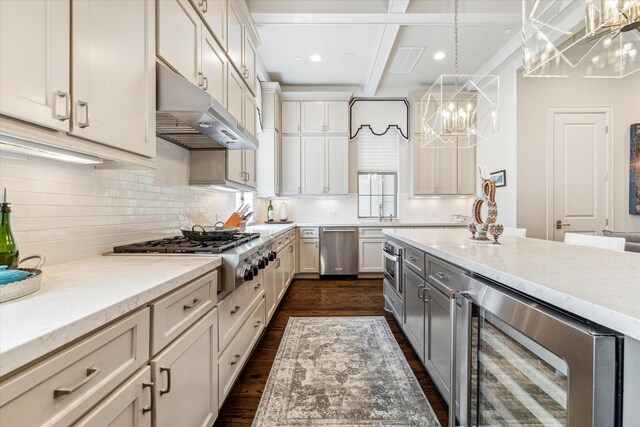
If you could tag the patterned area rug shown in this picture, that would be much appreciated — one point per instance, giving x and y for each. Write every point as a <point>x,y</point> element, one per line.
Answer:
<point>342,371</point>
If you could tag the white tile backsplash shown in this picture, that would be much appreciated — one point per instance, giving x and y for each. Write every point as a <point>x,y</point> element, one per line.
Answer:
<point>67,211</point>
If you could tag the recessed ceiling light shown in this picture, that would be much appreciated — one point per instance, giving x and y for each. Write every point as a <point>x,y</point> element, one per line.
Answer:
<point>439,55</point>
<point>508,30</point>
<point>296,58</point>
<point>315,58</point>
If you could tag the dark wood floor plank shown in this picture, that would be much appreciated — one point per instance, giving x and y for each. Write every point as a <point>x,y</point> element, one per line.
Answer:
<point>307,298</point>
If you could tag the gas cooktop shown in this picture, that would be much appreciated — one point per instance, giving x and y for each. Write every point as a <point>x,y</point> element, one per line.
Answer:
<point>183,245</point>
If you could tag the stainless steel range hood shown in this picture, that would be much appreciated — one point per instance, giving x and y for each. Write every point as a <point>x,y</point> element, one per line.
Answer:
<point>188,116</point>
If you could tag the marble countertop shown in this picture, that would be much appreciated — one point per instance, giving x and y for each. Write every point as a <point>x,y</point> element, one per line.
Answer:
<point>596,284</point>
<point>79,296</point>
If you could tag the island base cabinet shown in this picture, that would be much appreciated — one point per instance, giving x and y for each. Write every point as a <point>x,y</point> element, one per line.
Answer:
<point>437,337</point>
<point>128,406</point>
<point>185,375</point>
<point>414,323</point>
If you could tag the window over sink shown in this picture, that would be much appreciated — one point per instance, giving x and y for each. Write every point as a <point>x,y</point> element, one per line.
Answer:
<point>377,194</point>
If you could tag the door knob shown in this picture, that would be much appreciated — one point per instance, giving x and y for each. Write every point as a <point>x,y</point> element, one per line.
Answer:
<point>559,225</point>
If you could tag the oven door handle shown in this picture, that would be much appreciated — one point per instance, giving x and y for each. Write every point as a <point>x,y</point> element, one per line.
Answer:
<point>392,257</point>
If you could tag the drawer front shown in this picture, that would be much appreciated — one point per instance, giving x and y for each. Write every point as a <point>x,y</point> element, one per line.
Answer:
<point>173,314</point>
<point>280,242</point>
<point>58,390</point>
<point>309,233</point>
<point>233,310</point>
<point>371,233</point>
<point>231,361</point>
<point>448,277</point>
<point>289,236</point>
<point>129,405</point>
<point>395,300</point>
<point>415,260</point>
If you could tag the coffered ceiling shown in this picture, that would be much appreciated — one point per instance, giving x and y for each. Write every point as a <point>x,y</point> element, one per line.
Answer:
<point>358,40</point>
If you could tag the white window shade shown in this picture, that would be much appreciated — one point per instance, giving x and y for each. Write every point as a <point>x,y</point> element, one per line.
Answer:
<point>377,153</point>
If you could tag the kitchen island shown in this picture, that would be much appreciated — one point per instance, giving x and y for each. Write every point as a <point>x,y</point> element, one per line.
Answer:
<point>588,286</point>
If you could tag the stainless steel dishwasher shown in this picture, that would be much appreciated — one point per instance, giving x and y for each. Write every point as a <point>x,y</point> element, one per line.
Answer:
<point>338,251</point>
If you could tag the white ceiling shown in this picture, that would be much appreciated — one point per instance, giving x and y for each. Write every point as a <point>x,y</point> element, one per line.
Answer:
<point>358,39</point>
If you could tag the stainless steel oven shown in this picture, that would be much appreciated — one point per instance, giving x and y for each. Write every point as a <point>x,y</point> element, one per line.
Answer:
<point>392,253</point>
<point>524,363</point>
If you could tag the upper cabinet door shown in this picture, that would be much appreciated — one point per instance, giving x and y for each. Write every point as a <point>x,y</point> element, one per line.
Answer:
<point>214,14</point>
<point>114,92</point>
<point>250,113</point>
<point>337,165</point>
<point>214,69</point>
<point>290,183</point>
<point>249,63</point>
<point>235,35</point>
<point>179,37</point>
<point>313,165</point>
<point>466,166</point>
<point>312,117</point>
<point>34,62</point>
<point>447,168</point>
<point>290,116</point>
<point>250,168</point>
<point>424,171</point>
<point>336,117</point>
<point>276,112</point>
<point>235,94</point>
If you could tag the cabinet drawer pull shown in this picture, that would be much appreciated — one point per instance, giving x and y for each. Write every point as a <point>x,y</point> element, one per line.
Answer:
<point>257,286</point>
<point>235,359</point>
<point>150,406</point>
<point>205,83</point>
<point>420,291</point>
<point>192,304</point>
<point>168,389</point>
<point>87,121</point>
<point>412,258</point>
<point>205,6</point>
<point>442,276</point>
<point>67,105</point>
<point>257,324</point>
<point>235,309</point>
<point>92,372</point>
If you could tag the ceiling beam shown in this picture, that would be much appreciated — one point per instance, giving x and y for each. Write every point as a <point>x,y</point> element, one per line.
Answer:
<point>394,18</point>
<point>385,46</point>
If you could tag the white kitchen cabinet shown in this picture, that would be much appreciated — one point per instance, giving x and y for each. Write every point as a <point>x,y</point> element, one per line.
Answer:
<point>250,113</point>
<point>268,167</point>
<point>370,255</point>
<point>290,116</point>
<point>114,99</point>
<point>249,60</point>
<point>214,15</point>
<point>290,164</point>
<point>241,46</point>
<point>293,267</point>
<point>290,255</point>
<point>129,406</point>
<point>235,94</point>
<point>437,168</point>
<point>235,166</point>
<point>466,166</point>
<point>235,36</point>
<point>34,62</point>
<point>325,165</point>
<point>336,117</point>
<point>250,167</point>
<point>213,69</point>
<point>312,116</point>
<point>447,168</point>
<point>309,256</point>
<point>281,276</point>
<point>186,377</point>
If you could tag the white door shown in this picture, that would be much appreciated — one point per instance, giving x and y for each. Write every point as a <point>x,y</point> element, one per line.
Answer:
<point>249,62</point>
<point>214,69</point>
<point>114,92</point>
<point>178,38</point>
<point>290,164</point>
<point>290,116</point>
<point>34,62</point>
<point>336,117</point>
<point>128,406</point>
<point>466,166</point>
<point>235,94</point>
<point>186,377</point>
<point>446,168</point>
<point>312,116</point>
<point>371,258</point>
<point>424,171</point>
<point>250,168</point>
<point>579,173</point>
<point>313,165</point>
<point>214,13</point>
<point>337,165</point>
<point>309,259</point>
<point>235,35</point>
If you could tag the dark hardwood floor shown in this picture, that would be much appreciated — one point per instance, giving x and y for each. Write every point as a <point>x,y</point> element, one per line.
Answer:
<point>317,298</point>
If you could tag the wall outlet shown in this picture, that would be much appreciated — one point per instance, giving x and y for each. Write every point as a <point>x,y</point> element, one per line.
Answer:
<point>333,213</point>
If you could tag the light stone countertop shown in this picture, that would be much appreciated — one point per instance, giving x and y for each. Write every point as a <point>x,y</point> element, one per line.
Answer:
<point>80,296</point>
<point>597,284</point>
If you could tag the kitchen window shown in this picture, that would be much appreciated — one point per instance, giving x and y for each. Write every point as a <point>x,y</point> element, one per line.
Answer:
<point>377,195</point>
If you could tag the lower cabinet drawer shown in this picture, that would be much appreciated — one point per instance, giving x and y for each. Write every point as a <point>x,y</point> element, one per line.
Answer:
<point>173,314</point>
<point>234,309</point>
<point>232,360</point>
<point>58,390</point>
<point>444,276</point>
<point>129,405</point>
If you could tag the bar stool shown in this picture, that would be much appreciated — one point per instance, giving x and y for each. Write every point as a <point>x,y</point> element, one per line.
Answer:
<point>612,243</point>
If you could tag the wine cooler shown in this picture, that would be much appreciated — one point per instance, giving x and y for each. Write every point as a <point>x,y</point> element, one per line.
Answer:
<point>524,363</point>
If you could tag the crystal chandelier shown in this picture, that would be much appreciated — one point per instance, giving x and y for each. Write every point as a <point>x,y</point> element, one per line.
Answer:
<point>588,38</point>
<point>460,106</point>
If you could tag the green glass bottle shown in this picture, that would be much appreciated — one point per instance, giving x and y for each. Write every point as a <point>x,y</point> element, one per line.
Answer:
<point>8,246</point>
<point>270,213</point>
